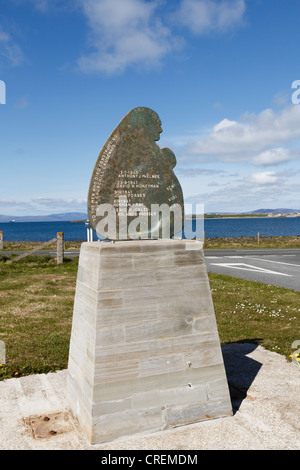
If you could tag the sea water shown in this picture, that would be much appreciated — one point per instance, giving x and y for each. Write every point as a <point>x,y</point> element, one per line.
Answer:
<point>214,228</point>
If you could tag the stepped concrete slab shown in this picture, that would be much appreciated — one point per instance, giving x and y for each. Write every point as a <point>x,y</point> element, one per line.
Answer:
<point>145,353</point>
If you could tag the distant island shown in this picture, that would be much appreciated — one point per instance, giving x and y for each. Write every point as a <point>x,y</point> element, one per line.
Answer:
<point>61,217</point>
<point>283,212</point>
<point>83,217</point>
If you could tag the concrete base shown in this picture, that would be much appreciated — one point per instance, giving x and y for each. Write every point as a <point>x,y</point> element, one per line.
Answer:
<point>145,353</point>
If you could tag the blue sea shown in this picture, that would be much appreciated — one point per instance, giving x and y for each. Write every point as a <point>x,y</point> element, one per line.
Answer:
<point>214,228</point>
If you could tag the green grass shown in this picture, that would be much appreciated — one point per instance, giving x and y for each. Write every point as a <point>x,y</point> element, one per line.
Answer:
<point>248,311</point>
<point>252,242</point>
<point>20,246</point>
<point>228,242</point>
<point>36,303</point>
<point>36,306</point>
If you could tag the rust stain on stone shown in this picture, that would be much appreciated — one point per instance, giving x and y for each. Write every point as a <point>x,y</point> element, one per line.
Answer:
<point>43,427</point>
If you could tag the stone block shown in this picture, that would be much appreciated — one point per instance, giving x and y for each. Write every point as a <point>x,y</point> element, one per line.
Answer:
<point>145,353</point>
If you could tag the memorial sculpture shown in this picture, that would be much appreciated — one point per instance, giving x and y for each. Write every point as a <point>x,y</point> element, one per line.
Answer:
<point>133,186</point>
<point>145,353</point>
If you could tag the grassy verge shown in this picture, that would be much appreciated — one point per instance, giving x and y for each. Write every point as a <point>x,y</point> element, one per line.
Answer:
<point>251,242</point>
<point>21,246</point>
<point>36,305</point>
<point>36,302</point>
<point>248,311</point>
<point>230,243</point>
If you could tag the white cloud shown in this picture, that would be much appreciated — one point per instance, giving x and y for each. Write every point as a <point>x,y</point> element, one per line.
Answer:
<point>41,5</point>
<point>124,33</point>
<point>44,6</point>
<point>4,37</point>
<point>22,103</point>
<point>218,105</point>
<point>9,49</point>
<point>204,16</point>
<point>224,125</point>
<point>281,99</point>
<point>42,205</point>
<point>259,190</point>
<point>255,138</point>
<point>194,172</point>
<point>264,177</point>
<point>50,202</point>
<point>139,32</point>
<point>275,156</point>
<point>11,203</point>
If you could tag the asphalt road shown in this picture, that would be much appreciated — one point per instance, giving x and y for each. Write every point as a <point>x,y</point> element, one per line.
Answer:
<point>280,267</point>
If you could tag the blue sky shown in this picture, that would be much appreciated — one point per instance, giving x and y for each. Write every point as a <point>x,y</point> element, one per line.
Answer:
<point>218,73</point>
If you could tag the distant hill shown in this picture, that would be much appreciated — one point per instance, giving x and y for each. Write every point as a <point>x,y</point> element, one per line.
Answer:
<point>275,211</point>
<point>65,217</point>
<point>70,216</point>
<point>261,211</point>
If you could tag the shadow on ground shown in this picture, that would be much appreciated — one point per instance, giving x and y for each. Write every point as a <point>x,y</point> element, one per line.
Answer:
<point>241,370</point>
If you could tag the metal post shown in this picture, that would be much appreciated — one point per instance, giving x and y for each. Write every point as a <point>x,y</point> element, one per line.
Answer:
<point>60,247</point>
<point>1,240</point>
<point>258,238</point>
<point>2,352</point>
<point>89,231</point>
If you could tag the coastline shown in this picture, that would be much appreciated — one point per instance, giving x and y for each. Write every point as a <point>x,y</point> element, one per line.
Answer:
<point>217,227</point>
<point>189,217</point>
<point>279,242</point>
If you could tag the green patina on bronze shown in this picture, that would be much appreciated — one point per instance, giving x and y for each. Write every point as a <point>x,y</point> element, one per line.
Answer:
<point>132,165</point>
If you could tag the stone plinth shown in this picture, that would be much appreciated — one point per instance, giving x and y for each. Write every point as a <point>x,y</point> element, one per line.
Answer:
<point>145,353</point>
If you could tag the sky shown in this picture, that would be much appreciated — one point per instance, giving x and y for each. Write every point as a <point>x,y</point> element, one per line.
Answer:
<point>219,73</point>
